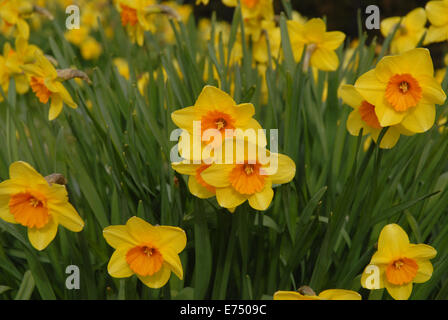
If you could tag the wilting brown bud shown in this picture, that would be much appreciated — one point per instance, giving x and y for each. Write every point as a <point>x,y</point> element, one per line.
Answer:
<point>56,178</point>
<point>43,12</point>
<point>160,8</point>
<point>68,74</point>
<point>306,291</point>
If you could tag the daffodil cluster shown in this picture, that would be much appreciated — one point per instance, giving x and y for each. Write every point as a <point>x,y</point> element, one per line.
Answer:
<point>232,182</point>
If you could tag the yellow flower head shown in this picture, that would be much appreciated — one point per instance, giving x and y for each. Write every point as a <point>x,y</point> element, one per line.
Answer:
<point>403,90</point>
<point>398,263</point>
<point>254,9</point>
<point>331,294</point>
<point>91,49</point>
<point>409,33</point>
<point>249,176</point>
<point>134,17</point>
<point>27,198</point>
<point>150,252</point>
<point>214,109</point>
<point>204,2</point>
<point>437,12</point>
<point>13,14</point>
<point>364,117</point>
<point>320,44</point>
<point>46,84</point>
<point>11,65</point>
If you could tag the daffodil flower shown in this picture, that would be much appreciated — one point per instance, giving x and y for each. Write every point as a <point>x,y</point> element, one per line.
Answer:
<point>150,252</point>
<point>437,12</point>
<point>28,199</point>
<point>399,263</point>
<point>409,33</point>
<point>249,179</point>
<point>11,63</point>
<point>134,17</point>
<point>214,109</point>
<point>320,44</point>
<point>403,90</point>
<point>331,294</point>
<point>364,117</point>
<point>13,14</point>
<point>46,84</point>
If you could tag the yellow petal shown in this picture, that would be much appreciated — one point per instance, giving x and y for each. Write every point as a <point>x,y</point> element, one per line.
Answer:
<point>41,238</point>
<point>386,114</point>
<point>416,19</point>
<point>212,98</point>
<point>436,11</point>
<point>432,90</point>
<point>420,118</point>
<point>370,87</point>
<point>288,295</point>
<point>399,292</point>
<point>286,169</point>
<point>23,171</point>
<point>370,280</point>
<point>184,118</point>
<point>117,236</point>
<point>424,272</point>
<point>261,200</point>
<point>229,198</point>
<point>118,267</point>
<point>5,214</point>
<point>172,237</point>
<point>388,25</point>
<point>67,216</point>
<point>393,241</point>
<point>332,40</point>
<point>198,190</point>
<point>340,294</point>
<point>420,251</point>
<point>350,96</point>
<point>436,34</point>
<point>56,106</point>
<point>417,62</point>
<point>217,175</point>
<point>243,113</point>
<point>389,140</point>
<point>172,259</point>
<point>183,168</point>
<point>314,30</point>
<point>355,124</point>
<point>324,59</point>
<point>142,231</point>
<point>157,280</point>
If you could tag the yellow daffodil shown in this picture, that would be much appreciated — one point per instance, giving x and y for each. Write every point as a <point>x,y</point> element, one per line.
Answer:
<point>28,199</point>
<point>409,33</point>
<point>403,90</point>
<point>134,16</point>
<point>331,294</point>
<point>320,44</point>
<point>11,63</point>
<point>77,36</point>
<point>204,2</point>
<point>437,12</point>
<point>122,67</point>
<point>397,263</point>
<point>214,109</point>
<point>249,178</point>
<point>150,252</point>
<point>46,84</point>
<point>363,117</point>
<point>91,49</point>
<point>13,14</point>
<point>272,33</point>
